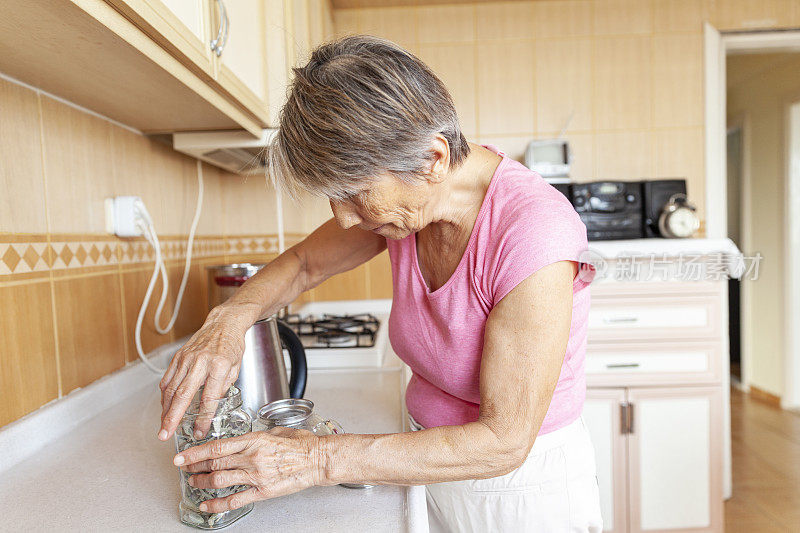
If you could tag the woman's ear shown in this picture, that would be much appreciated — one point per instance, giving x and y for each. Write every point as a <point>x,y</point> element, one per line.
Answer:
<point>440,159</point>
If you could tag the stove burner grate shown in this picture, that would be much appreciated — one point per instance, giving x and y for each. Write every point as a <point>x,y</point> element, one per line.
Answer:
<point>335,331</point>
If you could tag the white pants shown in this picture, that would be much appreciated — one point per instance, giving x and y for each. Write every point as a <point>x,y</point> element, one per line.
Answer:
<point>554,491</point>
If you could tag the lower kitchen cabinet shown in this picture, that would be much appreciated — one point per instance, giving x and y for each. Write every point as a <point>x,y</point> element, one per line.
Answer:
<point>601,413</point>
<point>659,457</point>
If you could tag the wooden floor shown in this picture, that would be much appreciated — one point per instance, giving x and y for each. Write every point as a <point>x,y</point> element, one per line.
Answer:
<point>766,468</point>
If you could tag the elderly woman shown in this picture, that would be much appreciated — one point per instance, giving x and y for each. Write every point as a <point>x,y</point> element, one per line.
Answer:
<point>489,311</point>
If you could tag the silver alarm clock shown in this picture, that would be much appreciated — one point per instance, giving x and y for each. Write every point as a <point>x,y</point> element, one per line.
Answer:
<point>678,219</point>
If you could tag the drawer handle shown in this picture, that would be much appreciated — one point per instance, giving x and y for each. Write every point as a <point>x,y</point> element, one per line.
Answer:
<point>622,365</point>
<point>620,319</point>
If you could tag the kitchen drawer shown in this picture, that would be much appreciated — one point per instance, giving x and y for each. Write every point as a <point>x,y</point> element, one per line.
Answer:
<point>642,364</point>
<point>654,317</point>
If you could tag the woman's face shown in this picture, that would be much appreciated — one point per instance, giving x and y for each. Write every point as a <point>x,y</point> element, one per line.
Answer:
<point>389,206</point>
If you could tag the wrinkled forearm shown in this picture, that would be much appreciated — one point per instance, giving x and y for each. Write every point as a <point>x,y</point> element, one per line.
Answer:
<point>446,453</point>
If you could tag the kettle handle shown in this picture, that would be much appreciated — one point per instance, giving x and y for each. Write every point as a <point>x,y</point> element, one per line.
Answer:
<point>297,355</point>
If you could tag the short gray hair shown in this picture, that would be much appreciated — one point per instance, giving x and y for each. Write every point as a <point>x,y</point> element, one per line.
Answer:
<point>362,106</point>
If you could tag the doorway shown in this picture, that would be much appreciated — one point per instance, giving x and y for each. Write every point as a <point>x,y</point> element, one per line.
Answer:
<point>777,344</point>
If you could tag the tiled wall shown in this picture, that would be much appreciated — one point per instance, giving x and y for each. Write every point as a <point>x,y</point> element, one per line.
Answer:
<point>69,293</point>
<point>629,72</point>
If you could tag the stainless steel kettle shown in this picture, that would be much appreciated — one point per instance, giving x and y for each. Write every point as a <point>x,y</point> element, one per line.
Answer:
<point>262,376</point>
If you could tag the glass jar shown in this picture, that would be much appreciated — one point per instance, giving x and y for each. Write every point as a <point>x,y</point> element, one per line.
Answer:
<point>229,420</point>
<point>295,413</point>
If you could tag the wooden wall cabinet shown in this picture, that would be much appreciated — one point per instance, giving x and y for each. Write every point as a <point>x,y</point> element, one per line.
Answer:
<point>162,66</point>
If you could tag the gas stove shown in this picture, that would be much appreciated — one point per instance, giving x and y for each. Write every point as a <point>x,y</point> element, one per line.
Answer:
<point>335,331</point>
<point>343,334</point>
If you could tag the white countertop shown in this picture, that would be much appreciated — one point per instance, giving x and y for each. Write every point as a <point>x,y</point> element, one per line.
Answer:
<point>110,473</point>
<point>666,259</point>
<point>668,247</point>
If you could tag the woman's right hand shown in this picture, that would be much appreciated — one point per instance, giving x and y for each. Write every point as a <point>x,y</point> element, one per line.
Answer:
<point>212,358</point>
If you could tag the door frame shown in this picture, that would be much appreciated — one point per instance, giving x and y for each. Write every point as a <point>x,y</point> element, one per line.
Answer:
<point>791,393</point>
<point>717,45</point>
<point>742,122</point>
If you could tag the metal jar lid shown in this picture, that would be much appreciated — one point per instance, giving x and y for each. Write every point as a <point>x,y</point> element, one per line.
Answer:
<point>288,412</point>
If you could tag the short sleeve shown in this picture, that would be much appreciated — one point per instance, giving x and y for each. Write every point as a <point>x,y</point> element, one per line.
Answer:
<point>533,235</point>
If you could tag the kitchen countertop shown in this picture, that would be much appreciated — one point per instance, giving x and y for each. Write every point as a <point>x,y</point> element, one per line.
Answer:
<point>78,466</point>
<point>668,247</point>
<point>666,260</point>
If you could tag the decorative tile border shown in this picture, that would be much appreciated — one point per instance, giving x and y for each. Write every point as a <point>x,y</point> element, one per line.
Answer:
<point>35,254</point>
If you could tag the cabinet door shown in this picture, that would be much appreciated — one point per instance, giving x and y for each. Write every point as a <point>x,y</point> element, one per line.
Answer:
<point>675,459</point>
<point>181,27</point>
<point>275,15</point>
<point>601,413</point>
<point>192,13</point>
<point>242,61</point>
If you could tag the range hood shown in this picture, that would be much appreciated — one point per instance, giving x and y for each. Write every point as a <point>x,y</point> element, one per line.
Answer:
<point>235,151</point>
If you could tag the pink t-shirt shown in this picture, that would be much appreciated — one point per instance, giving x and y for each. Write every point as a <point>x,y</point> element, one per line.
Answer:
<point>523,225</point>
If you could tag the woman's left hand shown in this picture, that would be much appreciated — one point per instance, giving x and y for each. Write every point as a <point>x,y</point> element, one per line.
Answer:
<point>274,463</point>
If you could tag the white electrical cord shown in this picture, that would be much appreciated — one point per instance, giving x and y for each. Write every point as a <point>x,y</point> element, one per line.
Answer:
<point>148,229</point>
<point>186,266</point>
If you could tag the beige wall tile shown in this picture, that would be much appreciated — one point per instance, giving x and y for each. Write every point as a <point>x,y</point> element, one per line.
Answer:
<point>295,213</point>
<point>28,376</point>
<point>22,197</point>
<point>351,285</point>
<point>582,146</point>
<point>78,166</point>
<point>506,88</point>
<point>622,17</point>
<point>317,212</point>
<point>301,35</point>
<point>194,306</point>
<point>316,22</point>
<point>504,20</point>
<point>751,14</point>
<point>398,24</point>
<point>454,64</point>
<point>89,324</point>
<point>680,15</point>
<point>564,85</point>
<point>622,82</point>
<point>137,172</point>
<point>512,146</point>
<point>557,18</point>
<point>303,215</point>
<point>446,23</point>
<point>380,276</point>
<point>249,205</point>
<point>212,219</point>
<point>678,80</point>
<point>177,179</point>
<point>345,22</point>
<point>134,285</point>
<point>623,155</point>
<point>679,153</point>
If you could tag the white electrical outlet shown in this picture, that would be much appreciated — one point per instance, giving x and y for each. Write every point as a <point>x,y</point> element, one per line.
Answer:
<point>123,214</point>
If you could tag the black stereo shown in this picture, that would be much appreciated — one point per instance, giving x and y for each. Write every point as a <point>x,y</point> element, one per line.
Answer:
<point>609,209</point>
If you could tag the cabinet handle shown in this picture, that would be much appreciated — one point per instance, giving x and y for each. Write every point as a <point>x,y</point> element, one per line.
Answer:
<point>630,417</point>
<point>218,44</point>
<point>620,319</point>
<point>626,417</point>
<point>623,417</point>
<point>622,365</point>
